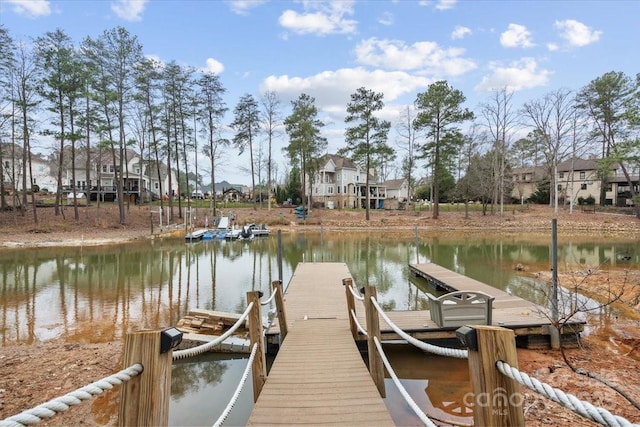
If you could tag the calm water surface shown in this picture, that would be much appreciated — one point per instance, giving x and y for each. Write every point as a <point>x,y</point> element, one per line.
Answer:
<point>98,294</point>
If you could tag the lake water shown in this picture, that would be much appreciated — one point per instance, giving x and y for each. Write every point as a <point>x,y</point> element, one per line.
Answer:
<point>98,294</point>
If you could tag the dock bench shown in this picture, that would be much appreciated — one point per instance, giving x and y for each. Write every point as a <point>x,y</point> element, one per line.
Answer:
<point>461,308</point>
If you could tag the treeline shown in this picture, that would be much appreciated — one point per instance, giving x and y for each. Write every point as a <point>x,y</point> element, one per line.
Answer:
<point>102,93</point>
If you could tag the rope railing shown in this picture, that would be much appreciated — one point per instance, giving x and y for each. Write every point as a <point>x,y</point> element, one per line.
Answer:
<point>441,351</point>
<point>585,409</point>
<point>268,301</point>
<point>416,409</point>
<point>183,354</point>
<point>236,394</point>
<point>355,294</point>
<point>362,330</point>
<point>63,403</point>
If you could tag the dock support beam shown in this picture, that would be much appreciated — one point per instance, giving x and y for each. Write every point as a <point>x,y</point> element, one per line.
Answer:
<point>376,367</point>
<point>281,313</point>
<point>144,400</point>
<point>351,306</point>
<point>497,400</point>
<point>259,367</point>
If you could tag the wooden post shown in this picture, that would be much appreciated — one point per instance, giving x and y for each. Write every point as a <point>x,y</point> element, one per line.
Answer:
<point>497,399</point>
<point>259,366</point>
<point>282,314</point>
<point>376,367</point>
<point>144,400</point>
<point>351,306</point>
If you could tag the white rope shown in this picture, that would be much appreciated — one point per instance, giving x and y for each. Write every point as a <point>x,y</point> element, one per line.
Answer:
<point>423,417</point>
<point>190,352</point>
<point>586,409</point>
<point>358,325</point>
<point>63,403</point>
<point>241,384</point>
<point>268,301</point>
<point>355,294</point>
<point>441,351</point>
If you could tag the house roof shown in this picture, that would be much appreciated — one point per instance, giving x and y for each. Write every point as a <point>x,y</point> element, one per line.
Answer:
<point>340,162</point>
<point>394,184</point>
<point>537,172</point>
<point>578,164</point>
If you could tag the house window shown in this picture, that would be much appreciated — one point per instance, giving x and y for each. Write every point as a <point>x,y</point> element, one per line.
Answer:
<point>561,175</point>
<point>582,175</point>
<point>137,171</point>
<point>330,190</point>
<point>345,189</point>
<point>338,189</point>
<point>559,187</point>
<point>583,186</point>
<point>157,185</point>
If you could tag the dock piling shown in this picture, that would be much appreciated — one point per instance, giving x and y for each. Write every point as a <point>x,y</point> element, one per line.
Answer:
<point>259,367</point>
<point>376,367</point>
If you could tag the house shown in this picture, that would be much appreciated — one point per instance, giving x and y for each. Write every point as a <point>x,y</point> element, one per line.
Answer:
<point>340,183</point>
<point>140,178</point>
<point>397,193</point>
<point>579,179</point>
<point>525,181</point>
<point>12,171</point>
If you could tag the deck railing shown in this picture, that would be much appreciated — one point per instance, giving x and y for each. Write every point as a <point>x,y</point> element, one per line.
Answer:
<point>146,379</point>
<point>493,361</point>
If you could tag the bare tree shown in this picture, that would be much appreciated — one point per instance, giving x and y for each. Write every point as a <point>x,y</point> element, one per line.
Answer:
<point>552,119</point>
<point>272,114</point>
<point>500,121</point>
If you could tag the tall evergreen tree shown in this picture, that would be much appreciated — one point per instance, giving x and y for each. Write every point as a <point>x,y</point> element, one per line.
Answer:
<point>247,126</point>
<point>61,86</point>
<point>439,111</point>
<point>612,102</point>
<point>211,110</point>
<point>305,141</point>
<point>366,139</point>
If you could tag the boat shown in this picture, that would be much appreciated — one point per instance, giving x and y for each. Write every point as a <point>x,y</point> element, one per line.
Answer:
<point>259,230</point>
<point>233,233</point>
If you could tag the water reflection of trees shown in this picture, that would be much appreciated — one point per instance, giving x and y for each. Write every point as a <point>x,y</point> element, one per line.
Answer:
<point>98,294</point>
<point>188,376</point>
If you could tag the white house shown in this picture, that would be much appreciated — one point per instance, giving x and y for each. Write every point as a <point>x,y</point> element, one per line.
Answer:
<point>342,184</point>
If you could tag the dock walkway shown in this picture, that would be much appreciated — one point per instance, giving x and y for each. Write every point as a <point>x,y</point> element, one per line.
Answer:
<point>319,376</point>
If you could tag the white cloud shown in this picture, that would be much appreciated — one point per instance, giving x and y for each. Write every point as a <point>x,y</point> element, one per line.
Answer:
<point>552,47</point>
<point>446,4</point>
<point>423,56</point>
<point>332,89</point>
<point>129,10</point>
<point>213,66</point>
<point>321,18</point>
<point>242,7</point>
<point>576,33</point>
<point>30,8</point>
<point>519,75</point>
<point>386,18</point>
<point>460,32</point>
<point>516,36</point>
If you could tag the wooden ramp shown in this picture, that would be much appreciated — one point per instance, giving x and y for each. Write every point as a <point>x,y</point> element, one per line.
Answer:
<point>318,376</point>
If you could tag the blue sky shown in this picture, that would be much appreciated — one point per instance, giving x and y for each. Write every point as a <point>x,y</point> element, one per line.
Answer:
<point>328,49</point>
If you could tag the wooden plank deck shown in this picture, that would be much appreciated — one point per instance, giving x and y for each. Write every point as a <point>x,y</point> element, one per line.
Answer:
<point>318,376</point>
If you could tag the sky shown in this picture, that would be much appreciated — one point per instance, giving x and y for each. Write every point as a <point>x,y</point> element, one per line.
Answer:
<point>328,49</point>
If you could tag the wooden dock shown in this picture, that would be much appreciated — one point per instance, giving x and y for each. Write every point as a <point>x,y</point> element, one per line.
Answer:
<point>318,376</point>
